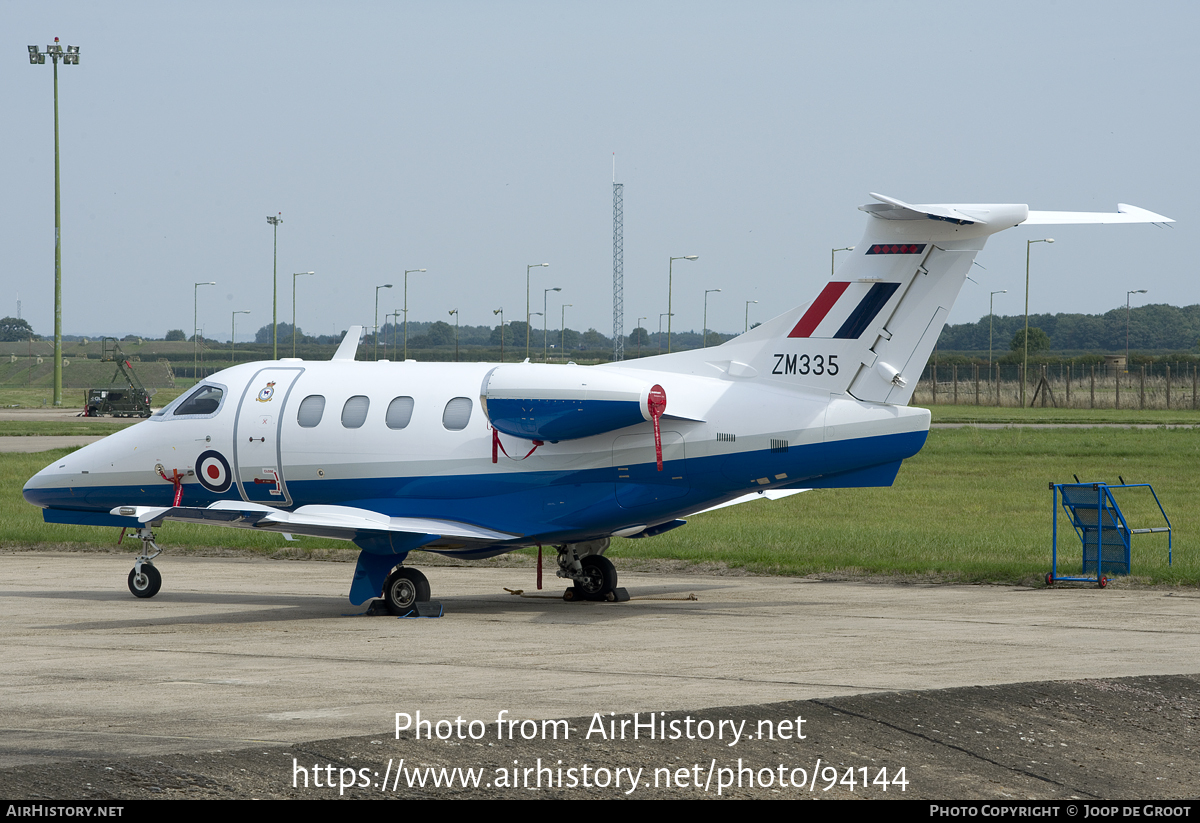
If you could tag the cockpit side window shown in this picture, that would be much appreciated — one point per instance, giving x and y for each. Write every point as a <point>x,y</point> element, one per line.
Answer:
<point>203,402</point>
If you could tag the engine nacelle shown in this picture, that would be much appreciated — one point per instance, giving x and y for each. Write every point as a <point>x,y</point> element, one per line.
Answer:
<point>551,402</point>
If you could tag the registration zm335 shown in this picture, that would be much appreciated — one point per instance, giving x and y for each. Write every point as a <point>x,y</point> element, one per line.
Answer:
<point>474,459</point>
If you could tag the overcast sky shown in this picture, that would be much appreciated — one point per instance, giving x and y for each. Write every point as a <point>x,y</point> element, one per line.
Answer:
<point>472,139</point>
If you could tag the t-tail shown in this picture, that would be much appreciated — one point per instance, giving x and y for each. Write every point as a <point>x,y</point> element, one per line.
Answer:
<point>872,328</point>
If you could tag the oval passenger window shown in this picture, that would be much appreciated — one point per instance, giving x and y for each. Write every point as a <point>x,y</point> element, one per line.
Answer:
<point>354,413</point>
<point>457,414</point>
<point>399,413</point>
<point>311,410</point>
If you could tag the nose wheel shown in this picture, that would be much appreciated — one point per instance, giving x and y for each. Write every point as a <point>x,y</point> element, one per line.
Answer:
<point>144,579</point>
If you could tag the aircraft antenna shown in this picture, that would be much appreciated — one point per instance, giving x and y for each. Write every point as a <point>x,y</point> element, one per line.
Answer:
<point>618,266</point>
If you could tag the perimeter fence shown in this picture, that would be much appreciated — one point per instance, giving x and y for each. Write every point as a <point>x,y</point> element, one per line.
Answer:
<point>1062,385</point>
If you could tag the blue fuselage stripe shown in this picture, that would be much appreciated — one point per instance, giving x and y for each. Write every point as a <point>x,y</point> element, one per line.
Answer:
<point>547,505</point>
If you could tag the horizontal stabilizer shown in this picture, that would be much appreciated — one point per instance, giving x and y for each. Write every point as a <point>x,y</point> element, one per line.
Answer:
<point>899,210</point>
<point>1125,213</point>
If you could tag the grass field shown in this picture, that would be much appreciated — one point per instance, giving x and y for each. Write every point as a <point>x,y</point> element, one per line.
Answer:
<point>972,506</point>
<point>993,414</point>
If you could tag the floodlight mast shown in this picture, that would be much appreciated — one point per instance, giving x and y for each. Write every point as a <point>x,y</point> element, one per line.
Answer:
<point>527,268</point>
<point>669,288</point>
<point>1025,367</point>
<point>545,295</point>
<point>275,221</point>
<point>294,276</point>
<point>69,58</point>
<point>196,330</point>
<point>407,272</point>
<point>748,302</point>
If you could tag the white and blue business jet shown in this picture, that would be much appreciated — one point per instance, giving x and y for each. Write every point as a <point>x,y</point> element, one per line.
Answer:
<point>473,459</point>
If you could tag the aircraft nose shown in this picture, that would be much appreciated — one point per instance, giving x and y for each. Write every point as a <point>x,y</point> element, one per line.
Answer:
<point>56,484</point>
<point>38,489</point>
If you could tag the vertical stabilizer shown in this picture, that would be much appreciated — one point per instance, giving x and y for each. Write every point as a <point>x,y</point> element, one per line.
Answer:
<point>871,329</point>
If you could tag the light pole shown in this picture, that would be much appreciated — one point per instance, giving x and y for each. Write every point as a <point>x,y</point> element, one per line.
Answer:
<point>69,58</point>
<point>454,313</point>
<point>395,325</point>
<point>377,288</point>
<point>1025,367</point>
<point>406,274</point>
<point>294,276</point>
<point>1135,291</point>
<point>545,294</point>
<point>637,329</point>
<point>707,292</point>
<point>543,316</point>
<point>195,323</point>
<point>233,335</point>
<point>527,268</point>
<point>660,317</point>
<point>562,331</point>
<point>275,221</point>
<point>748,302</point>
<point>670,276</point>
<point>500,311</point>
<point>991,317</point>
<point>833,256</point>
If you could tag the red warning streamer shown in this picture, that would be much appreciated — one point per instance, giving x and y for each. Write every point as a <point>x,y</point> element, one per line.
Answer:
<point>496,444</point>
<point>657,404</point>
<point>175,478</point>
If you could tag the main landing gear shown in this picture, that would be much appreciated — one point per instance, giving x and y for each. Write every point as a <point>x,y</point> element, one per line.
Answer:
<point>144,578</point>
<point>594,574</point>
<point>404,589</point>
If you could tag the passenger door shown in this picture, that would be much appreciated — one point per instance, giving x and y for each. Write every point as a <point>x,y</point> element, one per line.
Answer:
<point>256,447</point>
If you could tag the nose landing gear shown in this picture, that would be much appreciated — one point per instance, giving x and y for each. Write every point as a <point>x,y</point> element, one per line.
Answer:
<point>144,578</point>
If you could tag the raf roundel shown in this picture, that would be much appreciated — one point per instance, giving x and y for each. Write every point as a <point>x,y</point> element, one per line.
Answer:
<point>213,470</point>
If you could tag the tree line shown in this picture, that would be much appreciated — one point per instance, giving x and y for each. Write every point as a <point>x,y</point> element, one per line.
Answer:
<point>1155,327</point>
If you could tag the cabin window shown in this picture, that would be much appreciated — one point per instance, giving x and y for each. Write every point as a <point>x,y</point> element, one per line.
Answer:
<point>311,410</point>
<point>205,400</point>
<point>354,413</point>
<point>457,414</point>
<point>399,412</point>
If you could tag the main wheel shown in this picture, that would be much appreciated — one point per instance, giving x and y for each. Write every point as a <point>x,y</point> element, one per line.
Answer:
<point>1050,578</point>
<point>1103,582</point>
<point>600,577</point>
<point>404,589</point>
<point>145,583</point>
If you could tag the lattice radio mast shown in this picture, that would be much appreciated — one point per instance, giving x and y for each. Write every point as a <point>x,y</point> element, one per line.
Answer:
<point>618,266</point>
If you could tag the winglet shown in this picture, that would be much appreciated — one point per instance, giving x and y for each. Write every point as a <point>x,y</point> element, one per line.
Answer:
<point>349,345</point>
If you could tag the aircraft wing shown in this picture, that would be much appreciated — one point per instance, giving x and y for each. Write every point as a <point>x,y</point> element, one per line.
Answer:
<point>772,494</point>
<point>336,522</point>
